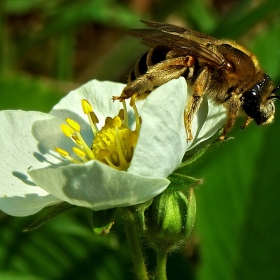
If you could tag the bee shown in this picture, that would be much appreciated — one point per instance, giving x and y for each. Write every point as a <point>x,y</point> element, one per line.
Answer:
<point>220,70</point>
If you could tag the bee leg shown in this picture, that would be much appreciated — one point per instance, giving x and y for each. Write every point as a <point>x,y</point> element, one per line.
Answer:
<point>233,109</point>
<point>191,108</point>
<point>193,104</point>
<point>156,76</point>
<point>247,122</point>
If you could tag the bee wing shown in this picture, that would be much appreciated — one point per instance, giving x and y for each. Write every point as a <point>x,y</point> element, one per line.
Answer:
<point>169,28</point>
<point>181,40</point>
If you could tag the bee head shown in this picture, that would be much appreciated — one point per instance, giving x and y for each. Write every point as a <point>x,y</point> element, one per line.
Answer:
<point>258,102</point>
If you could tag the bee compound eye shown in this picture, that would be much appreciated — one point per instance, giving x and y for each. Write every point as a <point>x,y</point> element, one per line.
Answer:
<point>250,98</point>
<point>250,102</point>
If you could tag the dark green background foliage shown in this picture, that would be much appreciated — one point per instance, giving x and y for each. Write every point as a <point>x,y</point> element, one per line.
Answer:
<point>50,47</point>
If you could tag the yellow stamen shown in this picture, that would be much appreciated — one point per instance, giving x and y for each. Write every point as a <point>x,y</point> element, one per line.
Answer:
<point>80,154</point>
<point>62,152</point>
<point>103,154</point>
<point>67,130</point>
<point>125,117</point>
<point>109,162</point>
<point>73,131</point>
<point>108,121</point>
<point>85,146</point>
<point>66,155</point>
<point>76,140</point>
<point>137,118</point>
<point>113,145</point>
<point>74,125</point>
<point>120,150</point>
<point>121,114</point>
<point>117,122</point>
<point>133,99</point>
<point>92,118</point>
<point>133,138</point>
<point>87,108</point>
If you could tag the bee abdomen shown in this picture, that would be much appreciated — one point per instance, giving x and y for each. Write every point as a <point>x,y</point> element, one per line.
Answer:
<point>150,58</point>
<point>139,69</point>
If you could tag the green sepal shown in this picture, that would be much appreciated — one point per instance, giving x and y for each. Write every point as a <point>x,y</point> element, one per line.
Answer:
<point>181,182</point>
<point>53,211</point>
<point>103,220</point>
<point>191,211</point>
<point>140,209</point>
<point>194,154</point>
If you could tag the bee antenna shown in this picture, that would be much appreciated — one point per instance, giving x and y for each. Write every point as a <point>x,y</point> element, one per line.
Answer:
<point>275,89</point>
<point>274,96</point>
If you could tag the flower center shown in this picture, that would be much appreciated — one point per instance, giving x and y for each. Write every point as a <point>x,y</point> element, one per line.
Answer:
<point>113,144</point>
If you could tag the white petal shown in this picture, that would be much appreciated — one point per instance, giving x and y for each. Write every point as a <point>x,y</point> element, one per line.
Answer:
<point>28,203</point>
<point>97,186</point>
<point>19,196</point>
<point>162,141</point>
<point>214,121</point>
<point>99,94</point>
<point>28,140</point>
<point>206,122</point>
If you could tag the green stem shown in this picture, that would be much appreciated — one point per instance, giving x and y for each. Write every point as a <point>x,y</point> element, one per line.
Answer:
<point>161,265</point>
<point>132,232</point>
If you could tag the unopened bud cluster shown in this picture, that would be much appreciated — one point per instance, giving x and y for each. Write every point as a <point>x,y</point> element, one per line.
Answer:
<point>170,219</point>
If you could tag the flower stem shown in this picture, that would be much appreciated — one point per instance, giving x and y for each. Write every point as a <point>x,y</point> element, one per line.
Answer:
<point>132,232</point>
<point>161,265</point>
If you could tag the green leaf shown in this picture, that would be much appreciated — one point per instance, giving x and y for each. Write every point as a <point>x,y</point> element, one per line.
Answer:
<point>196,11</point>
<point>238,207</point>
<point>264,47</point>
<point>23,92</point>
<point>52,212</point>
<point>180,181</point>
<point>245,16</point>
<point>13,276</point>
<point>67,245</point>
<point>20,7</point>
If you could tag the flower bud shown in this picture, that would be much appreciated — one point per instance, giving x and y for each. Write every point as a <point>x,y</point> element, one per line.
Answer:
<point>170,219</point>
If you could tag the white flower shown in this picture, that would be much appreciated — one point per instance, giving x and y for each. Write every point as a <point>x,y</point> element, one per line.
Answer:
<point>33,175</point>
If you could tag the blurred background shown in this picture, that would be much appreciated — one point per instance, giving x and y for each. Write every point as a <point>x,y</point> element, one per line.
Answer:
<point>49,47</point>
